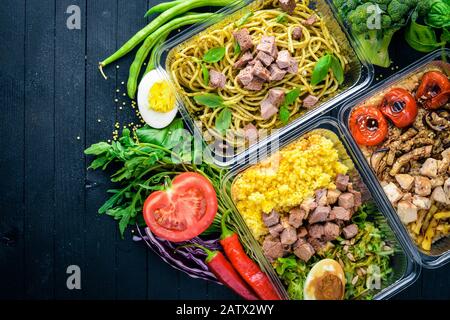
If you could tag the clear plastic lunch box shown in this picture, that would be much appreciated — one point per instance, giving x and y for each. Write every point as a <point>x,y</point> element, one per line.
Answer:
<point>358,77</point>
<point>405,269</point>
<point>440,252</point>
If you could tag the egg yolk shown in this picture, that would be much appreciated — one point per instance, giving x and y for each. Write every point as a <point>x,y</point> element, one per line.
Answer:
<point>161,97</point>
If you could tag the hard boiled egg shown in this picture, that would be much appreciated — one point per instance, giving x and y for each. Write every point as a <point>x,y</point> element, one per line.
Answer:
<point>325,281</point>
<point>156,100</point>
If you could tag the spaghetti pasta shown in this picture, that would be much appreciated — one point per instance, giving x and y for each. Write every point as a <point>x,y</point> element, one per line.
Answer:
<point>185,65</point>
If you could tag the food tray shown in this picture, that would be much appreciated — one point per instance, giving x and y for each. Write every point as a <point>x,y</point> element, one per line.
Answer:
<point>358,76</point>
<point>440,252</point>
<point>405,269</point>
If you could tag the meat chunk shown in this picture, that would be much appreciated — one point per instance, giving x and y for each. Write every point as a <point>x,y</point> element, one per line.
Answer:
<point>310,101</point>
<point>440,196</point>
<point>297,33</point>
<point>244,39</point>
<point>331,231</point>
<point>250,132</point>
<point>422,186</point>
<point>406,211</point>
<point>316,231</point>
<point>271,219</point>
<point>302,232</point>
<point>276,74</point>
<point>340,213</point>
<point>342,181</point>
<point>260,71</point>
<point>405,181</point>
<point>316,244</point>
<point>333,196</point>
<point>392,192</point>
<point>429,168</point>
<point>321,197</point>
<point>244,60</point>
<point>296,217</point>
<point>308,205</point>
<point>267,45</point>
<point>269,106</point>
<point>293,67</point>
<point>357,198</point>
<point>288,5</point>
<point>268,110</point>
<point>320,214</point>
<point>304,251</point>
<point>276,97</point>
<point>276,230</point>
<point>264,58</point>
<point>347,200</point>
<point>311,20</point>
<point>284,59</point>
<point>217,79</point>
<point>350,231</point>
<point>272,248</point>
<point>421,202</point>
<point>288,236</point>
<point>245,76</point>
<point>256,84</point>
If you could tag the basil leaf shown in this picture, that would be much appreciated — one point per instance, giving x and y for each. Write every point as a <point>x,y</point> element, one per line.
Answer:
<point>98,148</point>
<point>152,136</point>
<point>321,70</point>
<point>439,15</point>
<point>214,55</point>
<point>291,96</point>
<point>237,49</point>
<point>284,114</point>
<point>281,18</point>
<point>421,38</point>
<point>209,100</point>
<point>337,69</point>
<point>205,73</point>
<point>175,134</point>
<point>223,120</point>
<point>244,19</point>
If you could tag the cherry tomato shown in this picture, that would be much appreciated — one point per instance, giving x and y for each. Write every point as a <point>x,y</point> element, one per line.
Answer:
<point>434,90</point>
<point>184,210</point>
<point>368,125</point>
<point>399,106</point>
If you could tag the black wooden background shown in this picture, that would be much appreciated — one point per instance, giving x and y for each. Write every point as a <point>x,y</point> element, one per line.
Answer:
<point>54,103</point>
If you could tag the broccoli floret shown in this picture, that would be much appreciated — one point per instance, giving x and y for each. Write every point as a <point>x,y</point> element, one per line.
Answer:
<point>424,6</point>
<point>375,40</point>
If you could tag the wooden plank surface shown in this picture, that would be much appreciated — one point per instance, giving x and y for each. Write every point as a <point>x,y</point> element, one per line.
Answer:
<point>54,104</point>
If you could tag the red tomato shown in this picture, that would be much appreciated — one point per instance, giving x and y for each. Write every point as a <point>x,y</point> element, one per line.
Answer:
<point>399,106</point>
<point>368,125</point>
<point>434,90</point>
<point>183,211</point>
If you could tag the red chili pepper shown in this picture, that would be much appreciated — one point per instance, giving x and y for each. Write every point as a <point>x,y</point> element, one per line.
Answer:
<point>246,267</point>
<point>368,125</point>
<point>400,107</point>
<point>224,271</point>
<point>434,90</point>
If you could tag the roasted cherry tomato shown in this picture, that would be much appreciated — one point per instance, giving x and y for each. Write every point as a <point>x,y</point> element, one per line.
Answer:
<point>184,210</point>
<point>434,90</point>
<point>368,125</point>
<point>399,106</point>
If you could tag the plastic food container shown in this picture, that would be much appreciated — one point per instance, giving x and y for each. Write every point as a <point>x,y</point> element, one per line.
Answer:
<point>358,76</point>
<point>440,251</point>
<point>405,269</point>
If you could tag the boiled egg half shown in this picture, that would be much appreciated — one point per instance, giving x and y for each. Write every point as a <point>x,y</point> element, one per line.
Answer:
<point>156,100</point>
<point>325,281</point>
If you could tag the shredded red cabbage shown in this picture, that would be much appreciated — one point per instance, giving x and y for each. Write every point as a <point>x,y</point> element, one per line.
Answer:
<point>190,260</point>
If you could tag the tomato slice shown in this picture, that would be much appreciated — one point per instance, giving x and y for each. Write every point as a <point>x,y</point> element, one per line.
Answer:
<point>434,90</point>
<point>368,125</point>
<point>399,106</point>
<point>183,211</point>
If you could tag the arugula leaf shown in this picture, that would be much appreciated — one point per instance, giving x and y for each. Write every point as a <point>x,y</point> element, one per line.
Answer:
<point>210,100</point>
<point>337,69</point>
<point>205,73</point>
<point>214,55</point>
<point>284,114</point>
<point>244,19</point>
<point>281,18</point>
<point>223,120</point>
<point>98,149</point>
<point>237,49</point>
<point>321,70</point>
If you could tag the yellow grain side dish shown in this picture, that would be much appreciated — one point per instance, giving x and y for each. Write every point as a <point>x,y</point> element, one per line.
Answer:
<point>285,179</point>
